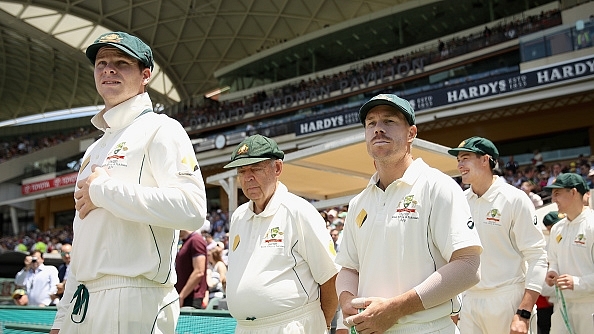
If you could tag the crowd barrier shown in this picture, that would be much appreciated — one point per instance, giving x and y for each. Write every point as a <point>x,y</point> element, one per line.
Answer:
<point>30,320</point>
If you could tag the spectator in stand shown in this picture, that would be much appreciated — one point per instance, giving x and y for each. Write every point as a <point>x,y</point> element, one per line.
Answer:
<point>38,279</point>
<point>218,270</point>
<point>528,188</point>
<point>190,265</point>
<point>555,171</point>
<point>63,269</point>
<point>20,298</point>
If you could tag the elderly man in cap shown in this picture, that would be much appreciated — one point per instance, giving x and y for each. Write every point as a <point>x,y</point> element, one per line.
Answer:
<point>514,261</point>
<point>281,259</point>
<point>571,257</point>
<point>137,186</point>
<point>409,245</point>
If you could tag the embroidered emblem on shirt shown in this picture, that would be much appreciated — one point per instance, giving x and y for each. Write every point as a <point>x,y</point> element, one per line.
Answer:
<point>580,239</point>
<point>406,209</point>
<point>361,217</point>
<point>493,217</point>
<point>117,157</point>
<point>274,238</point>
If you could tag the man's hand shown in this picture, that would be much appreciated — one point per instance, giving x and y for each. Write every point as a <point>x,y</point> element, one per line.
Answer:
<point>565,282</point>
<point>519,325</point>
<point>54,331</point>
<point>551,278</point>
<point>376,316</point>
<point>83,203</point>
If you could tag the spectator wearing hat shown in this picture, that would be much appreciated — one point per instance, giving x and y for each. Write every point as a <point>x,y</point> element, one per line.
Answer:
<point>20,298</point>
<point>137,186</point>
<point>513,262</point>
<point>281,260</point>
<point>420,218</point>
<point>571,261</point>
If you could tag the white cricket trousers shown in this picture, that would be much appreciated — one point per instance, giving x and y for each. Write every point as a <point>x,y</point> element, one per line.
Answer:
<point>125,305</point>
<point>492,311</point>
<point>308,319</point>
<point>580,316</point>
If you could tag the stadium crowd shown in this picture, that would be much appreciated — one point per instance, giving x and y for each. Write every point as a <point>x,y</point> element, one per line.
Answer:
<point>441,50</point>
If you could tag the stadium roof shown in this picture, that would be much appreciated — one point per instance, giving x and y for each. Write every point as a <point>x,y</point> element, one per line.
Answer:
<point>43,67</point>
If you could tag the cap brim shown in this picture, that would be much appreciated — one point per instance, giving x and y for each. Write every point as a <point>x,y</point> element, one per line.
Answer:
<point>244,162</point>
<point>552,186</point>
<point>374,103</point>
<point>93,49</point>
<point>457,150</point>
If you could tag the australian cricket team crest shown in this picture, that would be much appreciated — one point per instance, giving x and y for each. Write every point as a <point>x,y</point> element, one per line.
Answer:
<point>493,217</point>
<point>580,240</point>
<point>117,158</point>
<point>274,238</point>
<point>407,209</point>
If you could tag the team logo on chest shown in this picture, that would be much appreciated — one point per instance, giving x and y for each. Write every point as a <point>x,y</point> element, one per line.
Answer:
<point>274,238</point>
<point>407,209</point>
<point>117,156</point>
<point>493,217</point>
<point>580,240</point>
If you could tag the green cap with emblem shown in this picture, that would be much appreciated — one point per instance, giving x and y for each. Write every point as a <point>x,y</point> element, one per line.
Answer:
<point>254,149</point>
<point>477,145</point>
<point>569,181</point>
<point>129,44</point>
<point>390,100</point>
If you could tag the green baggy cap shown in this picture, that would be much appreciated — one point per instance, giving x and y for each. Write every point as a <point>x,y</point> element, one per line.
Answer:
<point>254,149</point>
<point>569,181</point>
<point>390,100</point>
<point>131,45</point>
<point>478,145</point>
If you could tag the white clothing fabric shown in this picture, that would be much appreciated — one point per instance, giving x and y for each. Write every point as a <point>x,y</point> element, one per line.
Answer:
<point>571,251</point>
<point>496,305</point>
<point>154,189</point>
<point>397,238</point>
<point>302,320</point>
<point>119,305</point>
<point>514,255</point>
<point>40,284</point>
<point>507,225</point>
<point>277,258</point>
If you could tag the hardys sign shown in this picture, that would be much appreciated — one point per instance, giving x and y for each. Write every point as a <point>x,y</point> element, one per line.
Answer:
<point>502,84</point>
<point>482,88</point>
